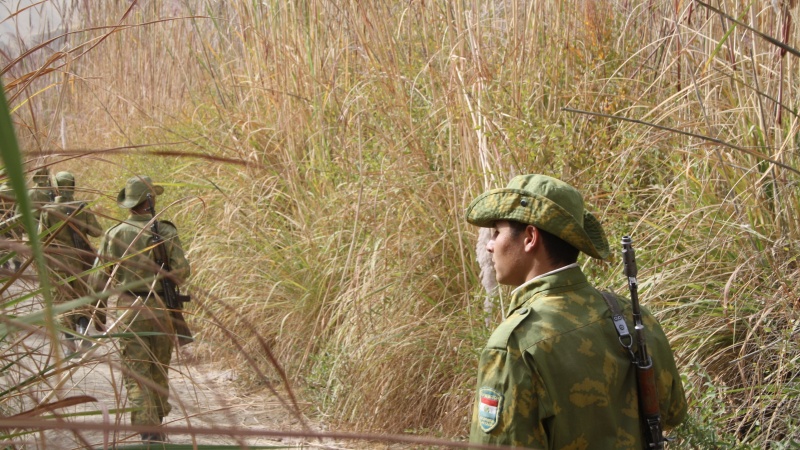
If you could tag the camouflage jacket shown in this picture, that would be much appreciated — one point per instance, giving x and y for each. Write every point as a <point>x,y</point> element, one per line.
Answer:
<point>40,197</point>
<point>129,245</point>
<point>82,224</point>
<point>554,375</point>
<point>9,224</point>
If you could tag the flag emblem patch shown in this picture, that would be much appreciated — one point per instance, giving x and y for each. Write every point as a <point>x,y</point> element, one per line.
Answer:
<point>490,402</point>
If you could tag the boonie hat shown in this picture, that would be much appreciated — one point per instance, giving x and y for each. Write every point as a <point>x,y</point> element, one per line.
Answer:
<point>136,190</point>
<point>65,179</point>
<point>546,203</point>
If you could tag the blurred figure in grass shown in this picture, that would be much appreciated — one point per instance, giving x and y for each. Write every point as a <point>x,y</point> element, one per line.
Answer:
<point>125,253</point>
<point>41,194</point>
<point>42,191</point>
<point>10,227</point>
<point>66,224</point>
<point>554,374</point>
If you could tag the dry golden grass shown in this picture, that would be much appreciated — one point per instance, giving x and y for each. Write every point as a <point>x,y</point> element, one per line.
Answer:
<point>320,155</point>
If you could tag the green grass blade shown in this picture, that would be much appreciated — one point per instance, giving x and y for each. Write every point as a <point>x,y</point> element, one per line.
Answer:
<point>12,160</point>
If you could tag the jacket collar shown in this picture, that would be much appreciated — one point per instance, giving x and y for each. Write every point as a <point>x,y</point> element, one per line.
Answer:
<point>567,277</point>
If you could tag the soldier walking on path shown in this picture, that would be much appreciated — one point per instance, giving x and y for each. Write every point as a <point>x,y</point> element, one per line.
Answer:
<point>126,253</point>
<point>42,192</point>
<point>554,374</point>
<point>68,224</point>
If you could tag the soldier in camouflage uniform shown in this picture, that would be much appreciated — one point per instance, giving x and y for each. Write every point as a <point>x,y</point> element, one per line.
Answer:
<point>67,224</point>
<point>42,192</point>
<point>553,374</point>
<point>146,356</point>
<point>9,225</point>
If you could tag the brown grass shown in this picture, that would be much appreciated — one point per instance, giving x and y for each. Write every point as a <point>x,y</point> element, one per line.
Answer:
<point>339,143</point>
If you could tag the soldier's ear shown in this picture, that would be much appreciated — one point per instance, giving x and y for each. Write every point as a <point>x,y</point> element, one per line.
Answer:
<point>532,237</point>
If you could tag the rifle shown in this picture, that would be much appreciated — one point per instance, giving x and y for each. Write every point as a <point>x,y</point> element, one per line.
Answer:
<point>645,373</point>
<point>172,296</point>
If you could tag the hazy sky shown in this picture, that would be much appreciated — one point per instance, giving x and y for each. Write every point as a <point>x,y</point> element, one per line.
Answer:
<point>29,23</point>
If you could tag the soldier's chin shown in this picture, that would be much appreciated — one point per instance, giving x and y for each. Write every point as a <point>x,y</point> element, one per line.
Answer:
<point>502,280</point>
<point>507,280</point>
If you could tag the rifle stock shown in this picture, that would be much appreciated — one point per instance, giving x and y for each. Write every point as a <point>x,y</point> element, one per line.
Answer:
<point>173,299</point>
<point>649,411</point>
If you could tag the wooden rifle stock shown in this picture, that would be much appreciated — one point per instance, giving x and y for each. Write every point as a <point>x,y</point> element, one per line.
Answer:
<point>649,411</point>
<point>172,297</point>
<point>648,407</point>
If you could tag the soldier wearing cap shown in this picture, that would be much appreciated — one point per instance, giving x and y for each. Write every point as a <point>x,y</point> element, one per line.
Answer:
<point>148,341</point>
<point>553,374</point>
<point>69,253</point>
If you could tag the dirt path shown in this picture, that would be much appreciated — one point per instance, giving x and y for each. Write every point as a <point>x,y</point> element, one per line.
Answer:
<point>203,395</point>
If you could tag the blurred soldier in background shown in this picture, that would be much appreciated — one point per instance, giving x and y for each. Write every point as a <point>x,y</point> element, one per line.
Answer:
<point>42,191</point>
<point>69,253</point>
<point>41,194</point>
<point>148,340</point>
<point>9,223</point>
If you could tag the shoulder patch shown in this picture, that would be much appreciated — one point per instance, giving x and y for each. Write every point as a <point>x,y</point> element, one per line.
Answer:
<point>490,403</point>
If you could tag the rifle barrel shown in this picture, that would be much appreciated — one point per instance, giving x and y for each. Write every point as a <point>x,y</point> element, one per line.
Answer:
<point>629,260</point>
<point>170,289</point>
<point>645,372</point>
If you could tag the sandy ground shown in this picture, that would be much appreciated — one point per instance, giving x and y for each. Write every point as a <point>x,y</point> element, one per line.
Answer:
<point>203,395</point>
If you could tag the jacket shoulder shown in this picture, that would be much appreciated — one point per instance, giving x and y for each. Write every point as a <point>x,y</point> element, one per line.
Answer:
<point>116,228</point>
<point>167,224</point>
<point>501,335</point>
<point>167,229</point>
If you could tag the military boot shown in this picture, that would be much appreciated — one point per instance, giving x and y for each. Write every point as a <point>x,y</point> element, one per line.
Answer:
<point>68,345</point>
<point>82,327</point>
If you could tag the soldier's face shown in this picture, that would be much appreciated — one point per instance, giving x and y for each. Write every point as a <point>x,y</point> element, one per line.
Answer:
<point>507,247</point>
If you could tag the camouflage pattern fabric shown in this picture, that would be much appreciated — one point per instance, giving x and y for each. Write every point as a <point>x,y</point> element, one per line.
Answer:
<point>146,357</point>
<point>554,375</point>
<point>40,196</point>
<point>546,203</point>
<point>131,240</point>
<point>136,190</point>
<point>39,199</point>
<point>65,266</point>
<point>146,352</point>
<point>10,226</point>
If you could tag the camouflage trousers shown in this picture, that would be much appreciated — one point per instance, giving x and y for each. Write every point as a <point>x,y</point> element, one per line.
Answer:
<point>146,346</point>
<point>65,290</point>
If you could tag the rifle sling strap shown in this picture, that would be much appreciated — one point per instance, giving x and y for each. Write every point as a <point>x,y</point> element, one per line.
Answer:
<point>625,338</point>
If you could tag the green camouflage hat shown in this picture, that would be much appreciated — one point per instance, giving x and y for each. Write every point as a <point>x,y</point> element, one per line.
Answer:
<point>136,190</point>
<point>546,203</point>
<point>65,179</point>
<point>66,185</point>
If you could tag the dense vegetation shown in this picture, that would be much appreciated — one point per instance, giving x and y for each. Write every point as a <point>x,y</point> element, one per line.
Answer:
<point>318,157</point>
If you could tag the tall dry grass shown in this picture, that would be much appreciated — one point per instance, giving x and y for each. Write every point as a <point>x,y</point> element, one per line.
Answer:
<point>341,142</point>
